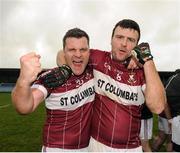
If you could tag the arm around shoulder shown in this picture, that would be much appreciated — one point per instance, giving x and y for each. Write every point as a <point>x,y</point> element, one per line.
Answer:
<point>60,59</point>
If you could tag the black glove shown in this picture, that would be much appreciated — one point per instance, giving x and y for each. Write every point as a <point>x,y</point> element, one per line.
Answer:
<point>56,77</point>
<point>142,53</point>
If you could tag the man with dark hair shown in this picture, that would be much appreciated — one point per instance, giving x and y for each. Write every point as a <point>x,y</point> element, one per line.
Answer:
<point>68,93</point>
<point>120,92</point>
<point>127,23</point>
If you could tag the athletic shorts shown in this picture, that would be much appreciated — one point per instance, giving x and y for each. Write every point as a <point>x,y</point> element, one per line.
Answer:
<point>163,125</point>
<point>48,149</point>
<point>146,129</point>
<point>95,146</point>
<point>176,130</point>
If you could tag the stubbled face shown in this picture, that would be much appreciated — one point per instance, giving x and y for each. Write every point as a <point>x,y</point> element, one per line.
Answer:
<point>123,41</point>
<point>77,54</point>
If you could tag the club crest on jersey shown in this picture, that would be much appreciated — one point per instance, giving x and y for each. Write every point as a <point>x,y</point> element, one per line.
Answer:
<point>107,66</point>
<point>131,79</point>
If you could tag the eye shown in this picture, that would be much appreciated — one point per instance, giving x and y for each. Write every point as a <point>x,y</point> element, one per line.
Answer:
<point>84,49</point>
<point>71,50</point>
<point>131,40</point>
<point>119,36</point>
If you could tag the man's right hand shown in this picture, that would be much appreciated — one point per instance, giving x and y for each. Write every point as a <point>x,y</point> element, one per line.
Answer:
<point>30,68</point>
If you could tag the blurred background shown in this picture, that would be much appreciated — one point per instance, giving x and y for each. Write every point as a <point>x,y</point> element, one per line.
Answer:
<point>39,25</point>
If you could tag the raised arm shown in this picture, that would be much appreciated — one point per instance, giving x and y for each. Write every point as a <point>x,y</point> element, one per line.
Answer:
<point>154,93</point>
<point>23,97</point>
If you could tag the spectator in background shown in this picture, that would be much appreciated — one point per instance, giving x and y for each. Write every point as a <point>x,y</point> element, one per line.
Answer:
<point>173,99</point>
<point>164,135</point>
<point>146,128</point>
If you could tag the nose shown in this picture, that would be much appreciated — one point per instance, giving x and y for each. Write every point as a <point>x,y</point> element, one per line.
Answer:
<point>124,42</point>
<point>78,53</point>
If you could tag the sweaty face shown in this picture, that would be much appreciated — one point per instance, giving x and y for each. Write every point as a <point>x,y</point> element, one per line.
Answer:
<point>122,42</point>
<point>77,54</point>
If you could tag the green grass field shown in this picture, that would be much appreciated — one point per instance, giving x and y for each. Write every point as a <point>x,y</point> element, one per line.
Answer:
<point>19,133</point>
<point>23,133</point>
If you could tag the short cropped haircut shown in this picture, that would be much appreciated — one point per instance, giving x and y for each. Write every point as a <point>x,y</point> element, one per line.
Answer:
<point>128,24</point>
<point>75,33</point>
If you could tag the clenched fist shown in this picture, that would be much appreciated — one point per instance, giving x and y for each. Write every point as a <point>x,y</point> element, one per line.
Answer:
<point>142,53</point>
<point>30,67</point>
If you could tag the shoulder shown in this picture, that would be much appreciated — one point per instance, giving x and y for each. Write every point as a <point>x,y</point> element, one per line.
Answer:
<point>97,51</point>
<point>98,56</point>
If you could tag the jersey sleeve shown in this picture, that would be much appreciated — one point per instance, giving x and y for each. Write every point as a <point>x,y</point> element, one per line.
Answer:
<point>39,85</point>
<point>173,95</point>
<point>41,88</point>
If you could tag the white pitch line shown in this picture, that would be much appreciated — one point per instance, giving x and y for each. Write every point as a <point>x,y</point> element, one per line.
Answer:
<point>4,106</point>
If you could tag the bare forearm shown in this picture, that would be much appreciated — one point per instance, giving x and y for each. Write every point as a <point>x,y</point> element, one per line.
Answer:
<point>22,97</point>
<point>155,93</point>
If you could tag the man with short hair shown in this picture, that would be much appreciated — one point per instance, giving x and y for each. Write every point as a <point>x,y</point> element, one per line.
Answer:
<point>120,92</point>
<point>68,98</point>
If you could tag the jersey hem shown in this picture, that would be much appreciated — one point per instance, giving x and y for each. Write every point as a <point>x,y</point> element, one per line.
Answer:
<point>116,146</point>
<point>66,147</point>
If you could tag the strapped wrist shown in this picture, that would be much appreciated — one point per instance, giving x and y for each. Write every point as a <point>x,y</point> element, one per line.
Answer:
<point>150,57</point>
<point>142,56</point>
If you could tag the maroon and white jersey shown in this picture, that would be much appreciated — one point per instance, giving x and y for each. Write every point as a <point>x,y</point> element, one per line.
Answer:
<point>117,108</point>
<point>69,112</point>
